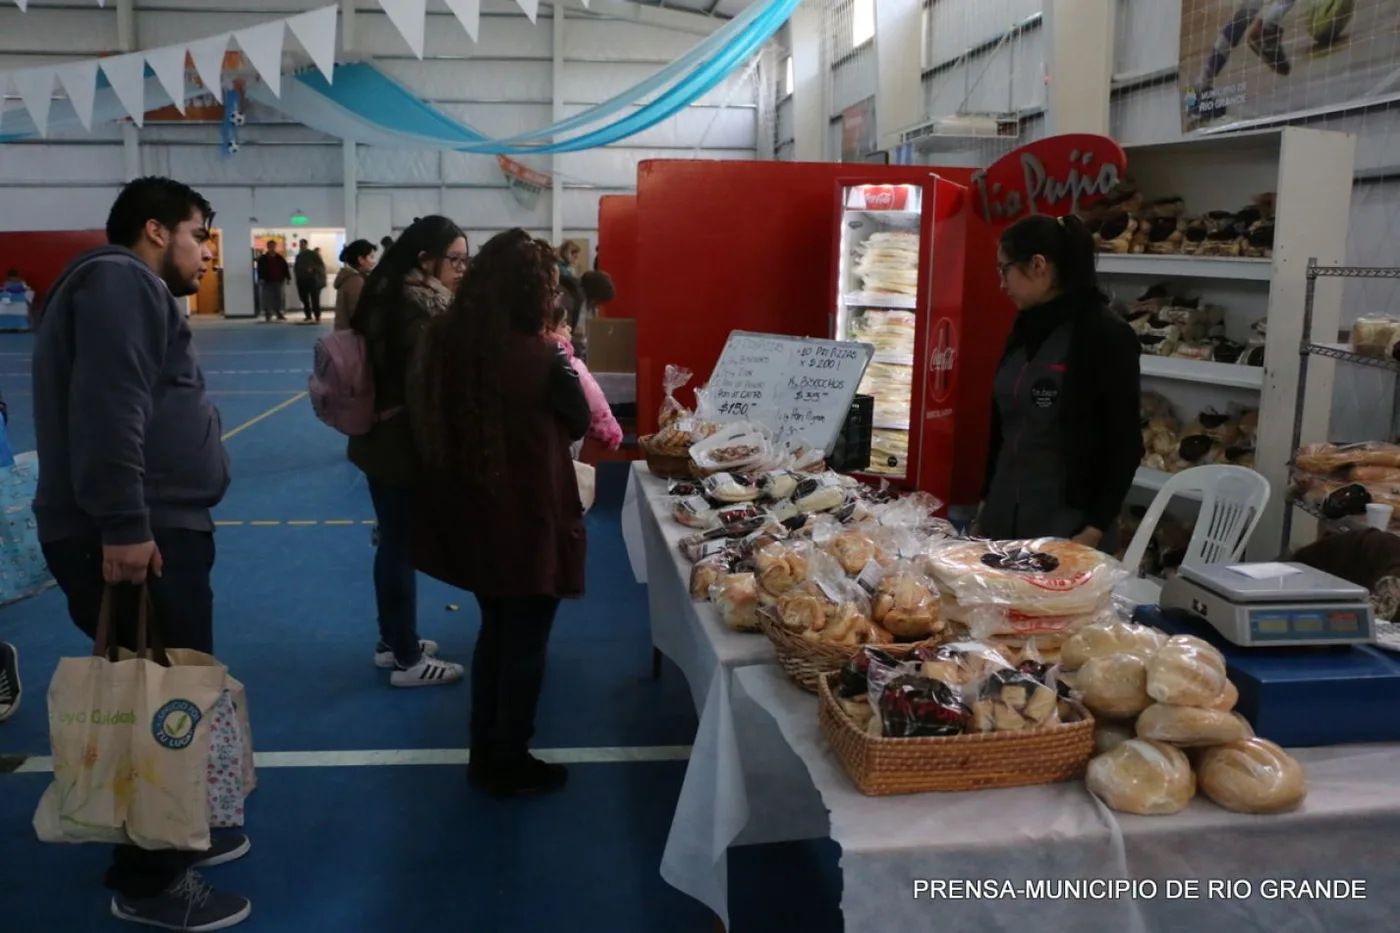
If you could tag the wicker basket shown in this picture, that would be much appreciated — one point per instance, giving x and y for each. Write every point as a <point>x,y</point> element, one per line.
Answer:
<point>883,766</point>
<point>664,465</point>
<point>806,662</point>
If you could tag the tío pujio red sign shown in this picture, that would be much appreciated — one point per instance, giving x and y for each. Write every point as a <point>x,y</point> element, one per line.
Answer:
<point>1058,176</point>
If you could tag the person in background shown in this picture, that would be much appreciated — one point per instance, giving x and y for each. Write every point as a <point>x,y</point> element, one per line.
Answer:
<point>310,272</point>
<point>1263,26</point>
<point>356,261</point>
<point>1065,439</point>
<point>495,406</point>
<point>15,288</point>
<point>133,463</point>
<point>597,291</point>
<point>386,242</point>
<point>272,282</point>
<point>568,255</point>
<point>603,427</point>
<point>413,283</point>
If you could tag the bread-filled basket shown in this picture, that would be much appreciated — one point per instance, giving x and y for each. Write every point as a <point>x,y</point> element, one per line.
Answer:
<point>664,463</point>
<point>807,662</point>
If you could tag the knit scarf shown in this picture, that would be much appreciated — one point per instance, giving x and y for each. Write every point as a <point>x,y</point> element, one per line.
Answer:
<point>427,292</point>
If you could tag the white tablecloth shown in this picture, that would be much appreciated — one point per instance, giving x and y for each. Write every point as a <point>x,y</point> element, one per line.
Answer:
<point>1346,829</point>
<point>743,784</point>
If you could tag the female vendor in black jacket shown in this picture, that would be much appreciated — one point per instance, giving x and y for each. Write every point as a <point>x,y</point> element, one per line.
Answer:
<point>1065,438</point>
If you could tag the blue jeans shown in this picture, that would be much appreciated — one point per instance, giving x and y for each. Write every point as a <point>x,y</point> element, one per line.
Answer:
<point>395,582</point>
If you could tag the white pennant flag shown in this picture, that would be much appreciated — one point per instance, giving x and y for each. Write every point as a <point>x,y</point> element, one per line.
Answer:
<point>530,7</point>
<point>468,12</point>
<point>208,57</point>
<point>79,79</point>
<point>127,75</point>
<point>23,5</point>
<point>35,87</point>
<point>263,46</point>
<point>410,18</point>
<point>169,65</point>
<point>316,33</point>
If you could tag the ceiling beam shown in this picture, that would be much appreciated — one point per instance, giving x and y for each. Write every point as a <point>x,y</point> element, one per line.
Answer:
<point>648,14</point>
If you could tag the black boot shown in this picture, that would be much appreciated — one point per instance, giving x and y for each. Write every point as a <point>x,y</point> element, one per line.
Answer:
<point>520,777</point>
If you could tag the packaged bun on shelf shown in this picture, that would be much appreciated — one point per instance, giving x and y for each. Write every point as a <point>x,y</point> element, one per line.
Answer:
<point>1325,459</point>
<point>1375,336</point>
<point>1190,726</point>
<point>1114,686</point>
<point>1186,671</point>
<point>1252,776</point>
<point>1143,777</point>
<point>1113,637</point>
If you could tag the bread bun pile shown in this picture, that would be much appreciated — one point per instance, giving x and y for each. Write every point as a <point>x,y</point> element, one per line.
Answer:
<point>1155,696</point>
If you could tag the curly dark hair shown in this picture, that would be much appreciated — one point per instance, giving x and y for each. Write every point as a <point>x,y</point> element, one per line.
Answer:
<point>511,286</point>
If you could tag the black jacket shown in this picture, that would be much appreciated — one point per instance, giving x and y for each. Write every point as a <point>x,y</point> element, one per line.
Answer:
<point>1101,415</point>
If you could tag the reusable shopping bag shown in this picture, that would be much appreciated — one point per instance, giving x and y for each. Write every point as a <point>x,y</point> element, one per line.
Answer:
<point>231,777</point>
<point>131,744</point>
<point>23,570</point>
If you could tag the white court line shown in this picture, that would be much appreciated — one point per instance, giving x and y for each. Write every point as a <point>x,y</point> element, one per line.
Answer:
<point>43,764</point>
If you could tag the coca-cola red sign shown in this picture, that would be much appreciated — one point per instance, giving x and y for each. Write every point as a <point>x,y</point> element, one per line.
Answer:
<point>1057,176</point>
<point>942,355</point>
<point>885,197</point>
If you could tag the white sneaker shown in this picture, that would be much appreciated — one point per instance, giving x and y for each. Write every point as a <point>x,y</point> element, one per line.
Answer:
<point>384,657</point>
<point>429,672</point>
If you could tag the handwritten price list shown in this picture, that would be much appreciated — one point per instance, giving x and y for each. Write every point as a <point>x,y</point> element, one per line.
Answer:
<point>800,388</point>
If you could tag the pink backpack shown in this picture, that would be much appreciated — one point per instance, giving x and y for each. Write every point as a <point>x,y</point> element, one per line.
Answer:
<point>341,385</point>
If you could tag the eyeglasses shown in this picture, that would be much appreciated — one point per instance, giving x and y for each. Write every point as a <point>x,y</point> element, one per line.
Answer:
<point>457,262</point>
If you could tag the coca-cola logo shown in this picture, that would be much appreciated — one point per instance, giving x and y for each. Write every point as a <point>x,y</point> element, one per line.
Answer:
<point>885,198</point>
<point>942,356</point>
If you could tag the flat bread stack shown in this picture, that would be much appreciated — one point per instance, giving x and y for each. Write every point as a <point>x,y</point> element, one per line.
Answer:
<point>886,331</point>
<point>889,452</point>
<point>1045,589</point>
<point>889,263</point>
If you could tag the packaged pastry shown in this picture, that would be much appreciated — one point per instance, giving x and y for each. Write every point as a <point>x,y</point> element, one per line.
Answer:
<point>1227,699</point>
<point>709,571</point>
<point>780,567</point>
<point>852,549</point>
<point>1041,577</point>
<point>695,512</point>
<point>1012,701</point>
<point>855,673</point>
<point>961,664</point>
<point>902,601</point>
<point>1190,726</point>
<point>697,545</point>
<point>735,448</point>
<point>1186,671</point>
<point>911,706</point>
<point>1323,459</point>
<point>673,411</point>
<point>1114,686</point>
<point>818,494</point>
<point>1143,777</point>
<point>777,484</point>
<point>1252,776</point>
<point>730,487</point>
<point>1110,638</point>
<point>1111,733</point>
<point>1374,336</point>
<point>736,596</point>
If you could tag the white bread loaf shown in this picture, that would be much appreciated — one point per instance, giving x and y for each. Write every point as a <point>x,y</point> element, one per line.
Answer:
<point>1186,671</point>
<point>1191,725</point>
<point>1252,776</point>
<point>1228,698</point>
<point>1097,641</point>
<point>1143,777</point>
<point>1111,733</point>
<point>1114,686</point>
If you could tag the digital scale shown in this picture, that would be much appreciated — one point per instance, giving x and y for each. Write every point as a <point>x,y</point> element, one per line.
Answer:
<point>1273,605</point>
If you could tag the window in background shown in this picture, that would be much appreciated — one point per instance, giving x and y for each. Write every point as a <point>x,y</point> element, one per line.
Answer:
<point>862,22</point>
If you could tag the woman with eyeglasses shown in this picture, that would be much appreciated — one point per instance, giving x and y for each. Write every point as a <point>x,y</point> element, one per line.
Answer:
<point>1066,439</point>
<point>412,284</point>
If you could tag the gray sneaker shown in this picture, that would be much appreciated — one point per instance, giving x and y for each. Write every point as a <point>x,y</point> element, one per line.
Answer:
<point>189,904</point>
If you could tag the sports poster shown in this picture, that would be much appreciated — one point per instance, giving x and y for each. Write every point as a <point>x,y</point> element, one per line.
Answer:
<point>1244,60</point>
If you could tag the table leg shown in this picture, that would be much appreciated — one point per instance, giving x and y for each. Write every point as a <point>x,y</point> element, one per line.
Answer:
<point>656,664</point>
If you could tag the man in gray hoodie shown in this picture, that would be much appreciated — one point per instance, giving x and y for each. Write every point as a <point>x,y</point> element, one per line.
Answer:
<point>132,462</point>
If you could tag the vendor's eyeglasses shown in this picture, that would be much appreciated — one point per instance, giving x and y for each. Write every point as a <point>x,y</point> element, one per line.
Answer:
<point>457,262</point>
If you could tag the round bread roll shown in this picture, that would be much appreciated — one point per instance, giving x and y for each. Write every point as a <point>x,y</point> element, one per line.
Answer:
<point>1143,777</point>
<point>1096,641</point>
<point>1109,734</point>
<point>1252,776</point>
<point>1186,671</point>
<point>1228,698</point>
<point>1114,686</point>
<point>1191,725</point>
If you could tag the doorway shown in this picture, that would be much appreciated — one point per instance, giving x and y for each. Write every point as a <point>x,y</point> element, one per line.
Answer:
<point>328,241</point>
<point>210,297</point>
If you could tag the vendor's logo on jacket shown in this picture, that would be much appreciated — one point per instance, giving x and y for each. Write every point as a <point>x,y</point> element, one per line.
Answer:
<point>174,724</point>
<point>1045,393</point>
<point>1055,176</point>
<point>942,354</point>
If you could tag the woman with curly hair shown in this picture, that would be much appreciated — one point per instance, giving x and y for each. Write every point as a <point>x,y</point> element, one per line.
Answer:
<point>412,284</point>
<point>495,407</point>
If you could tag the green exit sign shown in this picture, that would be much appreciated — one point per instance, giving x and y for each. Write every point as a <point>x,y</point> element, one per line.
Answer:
<point>298,220</point>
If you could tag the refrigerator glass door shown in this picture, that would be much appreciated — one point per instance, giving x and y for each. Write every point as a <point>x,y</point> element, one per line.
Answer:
<point>876,301</point>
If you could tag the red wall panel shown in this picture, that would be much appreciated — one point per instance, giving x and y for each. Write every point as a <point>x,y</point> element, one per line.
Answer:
<point>617,251</point>
<point>40,255</point>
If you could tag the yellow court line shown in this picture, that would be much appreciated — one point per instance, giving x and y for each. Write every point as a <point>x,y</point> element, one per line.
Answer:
<point>264,523</point>
<point>303,523</point>
<point>298,522</point>
<point>339,521</point>
<point>267,414</point>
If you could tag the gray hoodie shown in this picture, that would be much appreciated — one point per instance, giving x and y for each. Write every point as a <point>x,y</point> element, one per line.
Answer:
<point>127,439</point>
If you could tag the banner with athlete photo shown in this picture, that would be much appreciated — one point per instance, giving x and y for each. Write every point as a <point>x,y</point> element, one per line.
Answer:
<point>1254,60</point>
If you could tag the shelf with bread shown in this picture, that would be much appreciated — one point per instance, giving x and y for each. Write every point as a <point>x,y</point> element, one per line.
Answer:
<point>1203,247</point>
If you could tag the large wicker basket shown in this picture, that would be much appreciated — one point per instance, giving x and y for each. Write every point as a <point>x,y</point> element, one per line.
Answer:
<point>806,662</point>
<point>664,465</point>
<point>884,766</point>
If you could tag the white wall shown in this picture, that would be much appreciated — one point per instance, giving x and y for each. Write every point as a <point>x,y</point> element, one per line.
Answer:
<point>502,85</point>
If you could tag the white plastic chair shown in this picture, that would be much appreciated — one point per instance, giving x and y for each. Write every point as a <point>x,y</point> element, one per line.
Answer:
<point>1232,503</point>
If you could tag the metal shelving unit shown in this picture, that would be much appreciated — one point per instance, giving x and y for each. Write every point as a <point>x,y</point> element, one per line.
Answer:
<point>1310,348</point>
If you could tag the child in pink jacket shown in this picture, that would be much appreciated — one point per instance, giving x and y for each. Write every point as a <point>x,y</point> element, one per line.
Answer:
<point>604,426</point>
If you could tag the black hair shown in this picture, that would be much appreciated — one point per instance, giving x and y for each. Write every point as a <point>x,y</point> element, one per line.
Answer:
<point>383,293</point>
<point>386,241</point>
<point>598,287</point>
<point>164,200</point>
<point>1066,244</point>
<point>571,301</point>
<point>356,250</point>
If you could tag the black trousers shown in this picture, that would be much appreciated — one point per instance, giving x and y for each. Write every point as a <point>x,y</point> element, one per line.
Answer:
<point>310,294</point>
<point>508,674</point>
<point>184,610</point>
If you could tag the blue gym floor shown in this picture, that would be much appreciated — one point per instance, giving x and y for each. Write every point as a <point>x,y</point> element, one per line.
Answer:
<point>348,846</point>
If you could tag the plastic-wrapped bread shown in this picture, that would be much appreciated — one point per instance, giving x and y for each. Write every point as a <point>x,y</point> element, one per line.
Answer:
<point>1191,726</point>
<point>1186,671</point>
<point>1227,699</point>
<point>1114,686</point>
<point>1252,776</point>
<point>1097,641</point>
<point>737,598</point>
<point>1143,777</point>
<point>1111,733</point>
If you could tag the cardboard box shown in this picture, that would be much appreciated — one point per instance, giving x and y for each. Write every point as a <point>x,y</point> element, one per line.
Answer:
<point>612,345</point>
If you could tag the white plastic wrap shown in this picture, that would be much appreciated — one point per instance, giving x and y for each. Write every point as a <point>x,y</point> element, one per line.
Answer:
<point>1111,637</point>
<point>1192,727</point>
<point>1186,671</point>
<point>1046,577</point>
<point>1142,777</point>
<point>736,597</point>
<point>1252,776</point>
